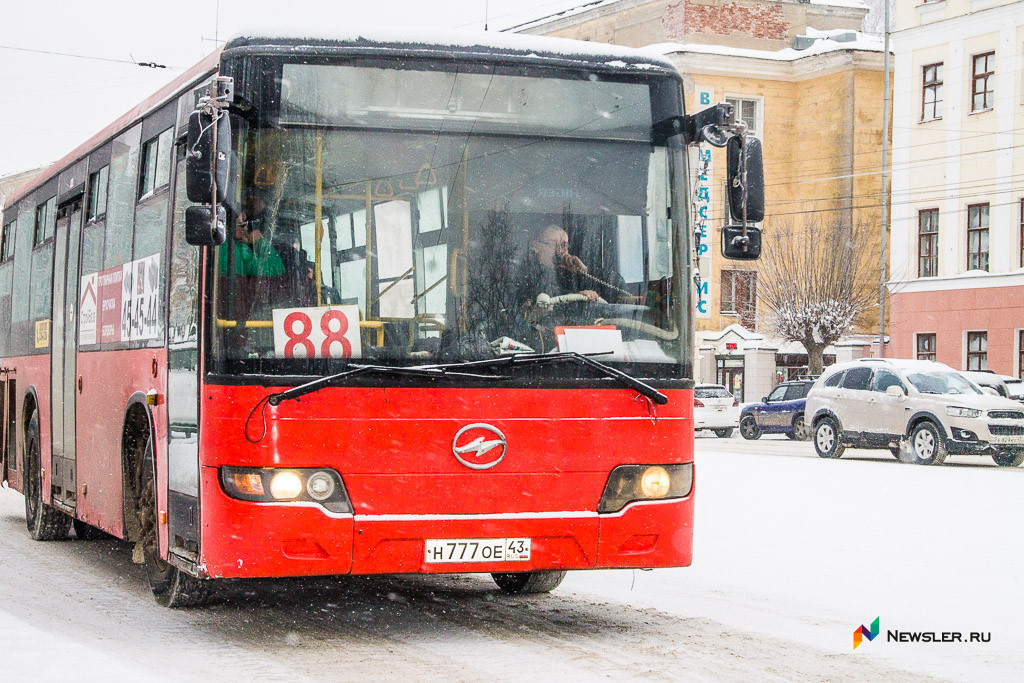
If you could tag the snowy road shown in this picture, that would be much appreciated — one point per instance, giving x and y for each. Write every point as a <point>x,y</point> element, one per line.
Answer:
<point>792,553</point>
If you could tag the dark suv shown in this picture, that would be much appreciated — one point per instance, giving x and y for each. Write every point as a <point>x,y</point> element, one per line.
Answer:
<point>781,412</point>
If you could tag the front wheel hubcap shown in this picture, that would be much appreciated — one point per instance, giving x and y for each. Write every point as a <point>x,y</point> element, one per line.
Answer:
<point>924,444</point>
<point>826,438</point>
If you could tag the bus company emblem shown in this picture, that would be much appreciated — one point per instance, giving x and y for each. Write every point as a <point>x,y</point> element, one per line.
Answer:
<point>471,450</point>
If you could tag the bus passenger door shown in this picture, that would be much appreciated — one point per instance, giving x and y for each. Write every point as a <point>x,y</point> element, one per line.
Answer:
<point>63,336</point>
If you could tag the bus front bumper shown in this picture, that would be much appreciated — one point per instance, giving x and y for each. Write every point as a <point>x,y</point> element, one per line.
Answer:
<point>248,540</point>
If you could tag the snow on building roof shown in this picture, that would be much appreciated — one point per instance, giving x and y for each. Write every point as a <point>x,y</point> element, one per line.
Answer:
<point>822,45</point>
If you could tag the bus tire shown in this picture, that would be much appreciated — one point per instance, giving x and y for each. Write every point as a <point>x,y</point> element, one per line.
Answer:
<point>171,587</point>
<point>522,583</point>
<point>44,523</point>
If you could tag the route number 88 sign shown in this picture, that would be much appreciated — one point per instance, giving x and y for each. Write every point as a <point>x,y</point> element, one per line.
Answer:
<point>322,332</point>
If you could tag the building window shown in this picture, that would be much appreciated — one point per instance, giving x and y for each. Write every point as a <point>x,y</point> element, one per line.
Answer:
<point>745,111</point>
<point>926,346</point>
<point>739,295</point>
<point>977,237</point>
<point>46,220</point>
<point>1021,233</point>
<point>931,93</point>
<point>982,81</point>
<point>977,350</point>
<point>928,243</point>
<point>97,206</point>
<point>7,242</point>
<point>1020,354</point>
<point>156,163</point>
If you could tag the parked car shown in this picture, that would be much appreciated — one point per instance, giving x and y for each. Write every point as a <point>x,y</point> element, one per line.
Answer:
<point>780,412</point>
<point>987,380</point>
<point>920,410</point>
<point>1004,385</point>
<point>715,408</point>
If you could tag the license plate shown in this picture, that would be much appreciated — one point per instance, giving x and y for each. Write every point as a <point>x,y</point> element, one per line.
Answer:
<point>719,408</point>
<point>441,550</point>
<point>1008,439</point>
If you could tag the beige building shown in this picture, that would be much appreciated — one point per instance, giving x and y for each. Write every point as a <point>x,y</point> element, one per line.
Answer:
<point>806,82</point>
<point>958,184</point>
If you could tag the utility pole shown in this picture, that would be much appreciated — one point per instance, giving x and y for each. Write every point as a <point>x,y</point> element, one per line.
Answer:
<point>885,186</point>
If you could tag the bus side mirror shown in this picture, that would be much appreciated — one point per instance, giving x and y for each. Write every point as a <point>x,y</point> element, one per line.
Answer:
<point>207,167</point>
<point>203,228</point>
<point>739,247</point>
<point>737,153</point>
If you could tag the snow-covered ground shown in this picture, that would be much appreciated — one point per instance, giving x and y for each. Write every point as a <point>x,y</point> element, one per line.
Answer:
<point>792,554</point>
<point>810,549</point>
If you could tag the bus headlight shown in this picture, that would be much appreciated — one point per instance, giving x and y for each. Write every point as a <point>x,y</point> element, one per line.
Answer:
<point>655,482</point>
<point>285,485</point>
<point>320,486</point>
<point>629,483</point>
<point>278,485</point>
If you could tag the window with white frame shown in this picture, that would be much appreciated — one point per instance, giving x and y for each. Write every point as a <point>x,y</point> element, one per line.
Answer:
<point>746,110</point>
<point>931,92</point>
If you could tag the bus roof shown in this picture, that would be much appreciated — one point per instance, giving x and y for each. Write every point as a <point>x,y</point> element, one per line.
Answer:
<point>414,42</point>
<point>428,42</point>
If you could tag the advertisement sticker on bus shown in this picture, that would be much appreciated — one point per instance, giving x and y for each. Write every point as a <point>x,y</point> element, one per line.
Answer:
<point>110,305</point>
<point>140,310</point>
<point>87,309</point>
<point>318,332</point>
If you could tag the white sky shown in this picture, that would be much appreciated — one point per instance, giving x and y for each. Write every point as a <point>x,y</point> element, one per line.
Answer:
<point>50,104</point>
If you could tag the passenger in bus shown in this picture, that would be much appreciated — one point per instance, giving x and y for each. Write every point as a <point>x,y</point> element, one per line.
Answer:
<point>254,253</point>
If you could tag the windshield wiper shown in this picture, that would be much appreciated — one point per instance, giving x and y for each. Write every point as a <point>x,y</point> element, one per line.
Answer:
<point>357,370</point>
<point>513,360</point>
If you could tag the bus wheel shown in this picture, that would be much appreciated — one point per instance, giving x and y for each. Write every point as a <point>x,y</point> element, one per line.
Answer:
<point>44,522</point>
<point>171,587</point>
<point>520,583</point>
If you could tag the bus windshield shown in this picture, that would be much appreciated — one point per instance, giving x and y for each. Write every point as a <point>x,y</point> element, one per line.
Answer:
<point>408,216</point>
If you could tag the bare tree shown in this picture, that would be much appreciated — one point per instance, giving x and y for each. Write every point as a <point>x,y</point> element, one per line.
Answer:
<point>817,279</point>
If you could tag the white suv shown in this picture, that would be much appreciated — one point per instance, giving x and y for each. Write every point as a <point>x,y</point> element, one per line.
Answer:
<point>919,410</point>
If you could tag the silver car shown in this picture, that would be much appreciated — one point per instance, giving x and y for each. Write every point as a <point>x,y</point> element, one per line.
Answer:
<point>920,410</point>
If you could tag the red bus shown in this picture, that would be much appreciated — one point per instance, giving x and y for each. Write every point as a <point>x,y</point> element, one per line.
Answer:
<point>429,309</point>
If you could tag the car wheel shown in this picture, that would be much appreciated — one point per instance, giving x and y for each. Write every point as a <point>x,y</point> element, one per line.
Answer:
<point>723,433</point>
<point>827,441</point>
<point>800,431</point>
<point>895,450</point>
<point>1009,458</point>
<point>749,429</point>
<point>927,445</point>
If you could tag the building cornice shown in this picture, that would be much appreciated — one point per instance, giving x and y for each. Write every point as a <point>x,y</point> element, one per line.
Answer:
<point>970,280</point>
<point>804,68</point>
<point>963,25</point>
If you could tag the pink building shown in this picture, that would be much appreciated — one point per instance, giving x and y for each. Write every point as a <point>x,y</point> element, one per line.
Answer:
<point>971,322</point>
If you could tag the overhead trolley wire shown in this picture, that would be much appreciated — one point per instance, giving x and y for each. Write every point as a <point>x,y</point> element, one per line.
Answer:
<point>151,65</point>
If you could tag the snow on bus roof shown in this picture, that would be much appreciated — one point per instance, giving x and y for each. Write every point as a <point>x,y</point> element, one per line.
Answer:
<point>608,56</point>
<point>461,40</point>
